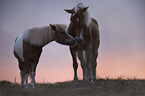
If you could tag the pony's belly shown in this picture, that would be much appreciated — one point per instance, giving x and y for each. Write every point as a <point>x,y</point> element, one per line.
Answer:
<point>18,47</point>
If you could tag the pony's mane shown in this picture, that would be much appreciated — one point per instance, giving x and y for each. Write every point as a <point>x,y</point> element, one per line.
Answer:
<point>16,38</point>
<point>38,36</point>
<point>43,35</point>
<point>86,13</point>
<point>61,27</point>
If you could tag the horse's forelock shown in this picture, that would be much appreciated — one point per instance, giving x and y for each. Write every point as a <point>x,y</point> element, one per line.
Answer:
<point>78,6</point>
<point>86,13</point>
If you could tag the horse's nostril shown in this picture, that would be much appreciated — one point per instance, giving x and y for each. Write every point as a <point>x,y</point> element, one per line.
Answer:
<point>79,40</point>
<point>74,41</point>
<point>71,42</point>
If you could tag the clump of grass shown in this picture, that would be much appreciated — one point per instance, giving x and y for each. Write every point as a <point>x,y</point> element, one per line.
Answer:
<point>107,77</point>
<point>5,82</point>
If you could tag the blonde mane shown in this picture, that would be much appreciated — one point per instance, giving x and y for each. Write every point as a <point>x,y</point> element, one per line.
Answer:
<point>41,36</point>
<point>86,13</point>
<point>61,27</point>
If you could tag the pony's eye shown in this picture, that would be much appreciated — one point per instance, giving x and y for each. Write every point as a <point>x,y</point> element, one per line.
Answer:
<point>62,32</point>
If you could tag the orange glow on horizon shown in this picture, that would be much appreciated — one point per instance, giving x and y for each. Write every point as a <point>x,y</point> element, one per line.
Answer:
<point>111,67</point>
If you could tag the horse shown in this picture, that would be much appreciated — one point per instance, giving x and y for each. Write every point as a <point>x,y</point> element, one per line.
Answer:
<point>85,30</point>
<point>28,48</point>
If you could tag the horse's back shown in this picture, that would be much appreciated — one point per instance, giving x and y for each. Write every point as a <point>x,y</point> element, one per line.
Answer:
<point>95,31</point>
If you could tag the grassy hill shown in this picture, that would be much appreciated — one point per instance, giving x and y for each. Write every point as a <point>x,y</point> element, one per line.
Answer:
<point>102,87</point>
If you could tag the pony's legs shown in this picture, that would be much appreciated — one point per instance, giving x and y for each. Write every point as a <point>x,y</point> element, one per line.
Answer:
<point>75,64</point>
<point>94,69</point>
<point>22,78</point>
<point>33,73</point>
<point>26,71</point>
<point>33,79</point>
<point>82,58</point>
<point>26,80</point>
<point>32,67</point>
<point>95,56</point>
<point>21,73</point>
<point>89,62</point>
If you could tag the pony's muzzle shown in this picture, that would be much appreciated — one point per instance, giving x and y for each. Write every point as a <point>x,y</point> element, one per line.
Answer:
<point>78,39</point>
<point>71,42</point>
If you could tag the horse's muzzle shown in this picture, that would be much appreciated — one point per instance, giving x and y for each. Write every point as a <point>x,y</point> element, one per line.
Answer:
<point>78,39</point>
<point>71,42</point>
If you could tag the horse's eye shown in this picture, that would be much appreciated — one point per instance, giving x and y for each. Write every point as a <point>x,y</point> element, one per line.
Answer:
<point>62,32</point>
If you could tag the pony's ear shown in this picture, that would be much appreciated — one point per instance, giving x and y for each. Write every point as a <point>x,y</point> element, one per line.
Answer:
<point>69,10</point>
<point>84,9</point>
<point>53,27</point>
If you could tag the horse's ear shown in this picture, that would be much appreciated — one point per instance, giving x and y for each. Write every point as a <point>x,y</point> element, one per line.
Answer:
<point>53,27</point>
<point>84,9</point>
<point>69,10</point>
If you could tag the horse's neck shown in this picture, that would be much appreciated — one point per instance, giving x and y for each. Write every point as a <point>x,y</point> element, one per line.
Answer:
<point>39,36</point>
<point>48,36</point>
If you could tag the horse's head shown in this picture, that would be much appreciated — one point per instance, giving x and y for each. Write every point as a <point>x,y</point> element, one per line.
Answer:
<point>61,36</point>
<point>79,17</point>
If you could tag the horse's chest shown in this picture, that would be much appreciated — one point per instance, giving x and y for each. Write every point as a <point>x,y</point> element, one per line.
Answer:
<point>81,46</point>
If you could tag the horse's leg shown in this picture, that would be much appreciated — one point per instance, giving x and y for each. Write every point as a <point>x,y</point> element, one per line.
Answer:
<point>21,73</point>
<point>22,78</point>
<point>75,64</point>
<point>94,64</point>
<point>83,63</point>
<point>33,73</point>
<point>26,71</point>
<point>33,79</point>
<point>95,56</point>
<point>89,62</point>
<point>26,80</point>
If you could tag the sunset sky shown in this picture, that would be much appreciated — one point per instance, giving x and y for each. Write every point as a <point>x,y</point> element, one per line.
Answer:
<point>122,32</point>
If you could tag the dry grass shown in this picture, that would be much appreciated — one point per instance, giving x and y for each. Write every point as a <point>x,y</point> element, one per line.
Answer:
<point>109,87</point>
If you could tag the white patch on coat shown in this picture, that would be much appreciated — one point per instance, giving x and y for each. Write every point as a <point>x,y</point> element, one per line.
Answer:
<point>18,47</point>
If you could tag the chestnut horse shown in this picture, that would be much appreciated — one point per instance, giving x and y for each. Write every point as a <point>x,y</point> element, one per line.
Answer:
<point>28,47</point>
<point>85,31</point>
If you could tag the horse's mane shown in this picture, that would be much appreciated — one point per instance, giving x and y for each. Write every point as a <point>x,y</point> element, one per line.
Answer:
<point>61,27</point>
<point>86,13</point>
<point>16,38</point>
<point>41,36</point>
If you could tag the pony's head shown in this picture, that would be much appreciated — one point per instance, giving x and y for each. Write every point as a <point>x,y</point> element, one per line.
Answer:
<point>79,19</point>
<point>61,36</point>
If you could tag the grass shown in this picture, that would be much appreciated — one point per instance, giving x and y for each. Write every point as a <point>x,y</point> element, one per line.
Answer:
<point>102,87</point>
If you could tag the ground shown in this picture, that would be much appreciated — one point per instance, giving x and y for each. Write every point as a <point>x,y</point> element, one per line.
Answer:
<point>102,87</point>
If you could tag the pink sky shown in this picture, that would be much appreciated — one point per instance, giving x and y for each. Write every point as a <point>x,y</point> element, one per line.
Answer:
<point>121,24</point>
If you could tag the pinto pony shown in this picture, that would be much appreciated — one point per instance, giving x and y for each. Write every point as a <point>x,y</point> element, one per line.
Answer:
<point>28,47</point>
<point>85,31</point>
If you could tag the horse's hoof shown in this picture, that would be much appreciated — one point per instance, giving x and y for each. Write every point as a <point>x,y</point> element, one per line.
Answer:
<point>75,82</point>
<point>26,87</point>
<point>21,86</point>
<point>84,81</point>
<point>92,82</point>
<point>33,86</point>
